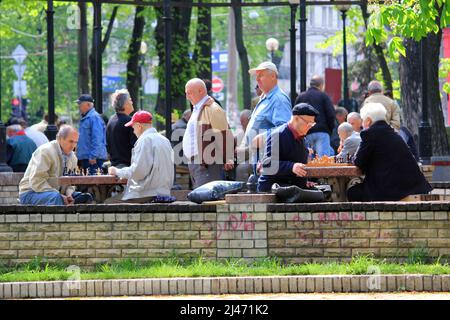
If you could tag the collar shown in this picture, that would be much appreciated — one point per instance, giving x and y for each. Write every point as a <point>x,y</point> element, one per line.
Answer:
<point>270,93</point>
<point>89,111</point>
<point>294,132</point>
<point>18,133</point>
<point>199,104</point>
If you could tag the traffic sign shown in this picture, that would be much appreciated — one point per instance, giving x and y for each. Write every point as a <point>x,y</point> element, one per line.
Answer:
<point>19,54</point>
<point>20,70</point>
<point>20,88</point>
<point>217,85</point>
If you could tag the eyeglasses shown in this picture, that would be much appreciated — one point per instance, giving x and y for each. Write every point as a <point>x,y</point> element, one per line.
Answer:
<point>308,123</point>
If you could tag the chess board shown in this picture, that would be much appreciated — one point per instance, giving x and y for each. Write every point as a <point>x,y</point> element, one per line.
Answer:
<point>326,161</point>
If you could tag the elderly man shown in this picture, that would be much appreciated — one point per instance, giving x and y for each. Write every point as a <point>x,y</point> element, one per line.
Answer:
<point>120,139</point>
<point>375,91</point>
<point>286,154</point>
<point>19,148</point>
<point>152,169</point>
<point>319,137</point>
<point>354,118</point>
<point>341,114</point>
<point>39,185</point>
<point>391,172</point>
<point>208,142</point>
<point>273,109</point>
<point>91,149</point>
<point>350,141</point>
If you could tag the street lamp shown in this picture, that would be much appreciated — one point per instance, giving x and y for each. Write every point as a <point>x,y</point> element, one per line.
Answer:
<point>272,45</point>
<point>343,8</point>
<point>293,4</point>
<point>142,51</point>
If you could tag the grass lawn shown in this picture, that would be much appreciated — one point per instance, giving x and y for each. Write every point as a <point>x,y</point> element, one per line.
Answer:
<point>166,268</point>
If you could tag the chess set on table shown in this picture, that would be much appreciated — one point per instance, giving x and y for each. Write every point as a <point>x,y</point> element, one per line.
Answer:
<point>82,172</point>
<point>326,161</point>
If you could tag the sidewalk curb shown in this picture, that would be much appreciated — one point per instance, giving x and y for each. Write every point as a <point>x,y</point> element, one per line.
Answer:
<point>226,285</point>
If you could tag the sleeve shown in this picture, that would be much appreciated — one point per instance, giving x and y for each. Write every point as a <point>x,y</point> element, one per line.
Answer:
<point>346,149</point>
<point>9,152</point>
<point>39,174</point>
<point>272,165</point>
<point>395,116</point>
<point>97,137</point>
<point>142,162</point>
<point>365,151</point>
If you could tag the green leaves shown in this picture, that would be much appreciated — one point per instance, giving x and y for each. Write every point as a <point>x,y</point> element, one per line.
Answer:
<point>396,47</point>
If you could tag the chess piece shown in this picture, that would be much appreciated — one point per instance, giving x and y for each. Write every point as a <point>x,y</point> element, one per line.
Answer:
<point>77,171</point>
<point>99,171</point>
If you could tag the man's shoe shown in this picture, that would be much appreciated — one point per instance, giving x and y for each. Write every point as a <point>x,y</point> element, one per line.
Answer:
<point>83,198</point>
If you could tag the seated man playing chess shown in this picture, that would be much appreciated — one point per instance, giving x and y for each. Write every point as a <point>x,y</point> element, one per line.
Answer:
<point>283,164</point>
<point>39,185</point>
<point>391,172</point>
<point>150,175</point>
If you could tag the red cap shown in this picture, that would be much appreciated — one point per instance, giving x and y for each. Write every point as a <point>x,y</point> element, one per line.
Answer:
<point>140,117</point>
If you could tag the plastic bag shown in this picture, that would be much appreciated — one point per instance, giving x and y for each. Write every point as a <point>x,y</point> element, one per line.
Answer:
<point>215,190</point>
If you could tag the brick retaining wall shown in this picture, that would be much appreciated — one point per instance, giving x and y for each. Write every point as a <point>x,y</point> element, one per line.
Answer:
<point>88,234</point>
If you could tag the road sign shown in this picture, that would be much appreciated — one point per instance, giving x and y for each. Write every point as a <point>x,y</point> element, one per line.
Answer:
<point>19,54</point>
<point>20,88</point>
<point>217,85</point>
<point>20,70</point>
<point>219,60</point>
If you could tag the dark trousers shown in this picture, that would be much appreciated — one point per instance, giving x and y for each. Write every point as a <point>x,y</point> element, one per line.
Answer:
<point>356,193</point>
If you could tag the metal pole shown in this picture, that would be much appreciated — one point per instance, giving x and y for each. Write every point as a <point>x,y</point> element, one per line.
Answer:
<point>51,126</point>
<point>293,53</point>
<point>98,94</point>
<point>141,89</point>
<point>168,66</point>
<point>345,87</point>
<point>3,166</point>
<point>302,21</point>
<point>425,150</point>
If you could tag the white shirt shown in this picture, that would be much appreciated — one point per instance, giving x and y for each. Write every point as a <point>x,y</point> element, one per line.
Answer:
<point>190,144</point>
<point>38,137</point>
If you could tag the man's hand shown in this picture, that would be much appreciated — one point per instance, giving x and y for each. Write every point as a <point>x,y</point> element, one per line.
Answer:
<point>310,184</point>
<point>258,141</point>
<point>112,171</point>
<point>68,200</point>
<point>298,169</point>
<point>229,165</point>
<point>92,161</point>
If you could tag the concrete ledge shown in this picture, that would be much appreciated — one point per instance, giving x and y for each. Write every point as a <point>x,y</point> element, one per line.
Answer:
<point>10,178</point>
<point>226,285</point>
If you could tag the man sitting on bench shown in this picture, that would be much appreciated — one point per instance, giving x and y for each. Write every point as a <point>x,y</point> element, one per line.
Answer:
<point>391,172</point>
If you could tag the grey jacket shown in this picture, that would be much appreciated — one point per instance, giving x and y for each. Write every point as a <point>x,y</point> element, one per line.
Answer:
<point>350,146</point>
<point>152,167</point>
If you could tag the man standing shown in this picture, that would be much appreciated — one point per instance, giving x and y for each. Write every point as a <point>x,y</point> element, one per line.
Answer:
<point>273,109</point>
<point>318,138</point>
<point>208,142</point>
<point>120,139</point>
<point>375,91</point>
<point>391,172</point>
<point>151,171</point>
<point>286,154</point>
<point>39,185</point>
<point>91,149</point>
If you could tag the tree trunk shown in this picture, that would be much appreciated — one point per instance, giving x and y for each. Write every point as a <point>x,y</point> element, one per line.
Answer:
<point>133,72</point>
<point>202,51</point>
<point>242,51</point>
<point>182,66</point>
<point>387,78</point>
<point>83,60</point>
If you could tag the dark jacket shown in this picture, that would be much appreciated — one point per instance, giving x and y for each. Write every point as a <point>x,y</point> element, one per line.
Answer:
<point>391,171</point>
<point>281,153</point>
<point>322,103</point>
<point>20,148</point>
<point>120,140</point>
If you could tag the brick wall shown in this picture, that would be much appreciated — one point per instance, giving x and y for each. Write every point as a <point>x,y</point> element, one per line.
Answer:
<point>90,234</point>
<point>9,187</point>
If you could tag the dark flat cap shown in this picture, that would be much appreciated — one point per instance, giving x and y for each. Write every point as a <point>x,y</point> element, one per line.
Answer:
<point>304,109</point>
<point>85,98</point>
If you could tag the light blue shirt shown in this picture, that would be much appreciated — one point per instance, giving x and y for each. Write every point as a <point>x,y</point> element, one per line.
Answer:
<point>272,110</point>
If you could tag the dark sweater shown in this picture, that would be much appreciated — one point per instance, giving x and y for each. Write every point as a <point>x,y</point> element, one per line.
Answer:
<point>281,153</point>
<point>322,103</point>
<point>119,140</point>
<point>20,148</point>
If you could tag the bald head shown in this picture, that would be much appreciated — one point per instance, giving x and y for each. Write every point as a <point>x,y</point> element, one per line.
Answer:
<point>195,90</point>
<point>316,82</point>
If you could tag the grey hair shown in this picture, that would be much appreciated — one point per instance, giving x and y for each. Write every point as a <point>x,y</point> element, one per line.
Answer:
<point>374,111</point>
<point>345,127</point>
<point>246,113</point>
<point>341,111</point>
<point>186,112</point>
<point>375,86</point>
<point>65,130</point>
<point>316,81</point>
<point>354,115</point>
<point>119,98</point>
<point>15,127</point>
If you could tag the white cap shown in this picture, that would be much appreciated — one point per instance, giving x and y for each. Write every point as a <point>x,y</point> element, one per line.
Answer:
<point>266,65</point>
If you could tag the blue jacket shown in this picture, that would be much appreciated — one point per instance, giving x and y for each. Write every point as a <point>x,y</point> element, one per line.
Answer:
<point>92,140</point>
<point>20,148</point>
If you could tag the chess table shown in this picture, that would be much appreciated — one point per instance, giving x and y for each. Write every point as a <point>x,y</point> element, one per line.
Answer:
<point>100,185</point>
<point>337,176</point>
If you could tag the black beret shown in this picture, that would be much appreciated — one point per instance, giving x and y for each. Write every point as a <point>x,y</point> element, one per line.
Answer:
<point>304,109</point>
